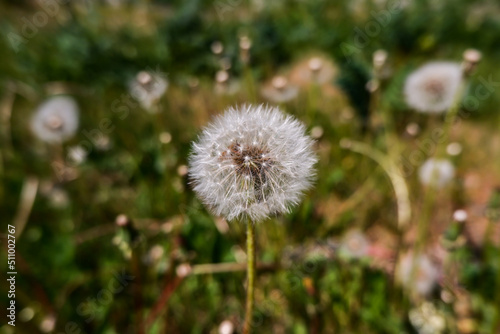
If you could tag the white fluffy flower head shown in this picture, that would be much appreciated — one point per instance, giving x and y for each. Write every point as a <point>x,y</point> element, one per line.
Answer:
<point>252,162</point>
<point>432,87</point>
<point>436,172</point>
<point>418,273</point>
<point>56,119</point>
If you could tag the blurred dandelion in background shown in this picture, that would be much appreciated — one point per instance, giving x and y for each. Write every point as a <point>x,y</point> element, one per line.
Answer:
<point>433,87</point>
<point>418,273</point>
<point>147,88</point>
<point>56,119</point>
<point>436,172</point>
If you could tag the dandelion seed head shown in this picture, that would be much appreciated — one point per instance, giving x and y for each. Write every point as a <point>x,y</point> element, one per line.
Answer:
<point>418,273</point>
<point>147,88</point>
<point>436,172</point>
<point>432,87</point>
<point>56,119</point>
<point>259,175</point>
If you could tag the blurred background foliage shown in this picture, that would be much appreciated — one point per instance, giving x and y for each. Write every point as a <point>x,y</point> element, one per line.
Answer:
<point>72,248</point>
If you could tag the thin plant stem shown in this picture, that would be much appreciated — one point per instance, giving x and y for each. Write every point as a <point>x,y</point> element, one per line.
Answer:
<point>423,224</point>
<point>217,268</point>
<point>391,169</point>
<point>496,322</point>
<point>28,195</point>
<point>450,117</point>
<point>250,276</point>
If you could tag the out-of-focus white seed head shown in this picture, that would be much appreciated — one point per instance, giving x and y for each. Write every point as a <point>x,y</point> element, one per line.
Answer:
<point>147,88</point>
<point>252,162</point>
<point>418,273</point>
<point>432,87</point>
<point>56,119</point>
<point>436,172</point>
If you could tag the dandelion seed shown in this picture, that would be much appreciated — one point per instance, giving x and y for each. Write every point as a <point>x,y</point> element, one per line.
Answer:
<point>258,175</point>
<point>432,87</point>
<point>56,119</point>
<point>418,273</point>
<point>436,172</point>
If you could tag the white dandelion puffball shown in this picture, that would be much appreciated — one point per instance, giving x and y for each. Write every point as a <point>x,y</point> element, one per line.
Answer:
<point>418,273</point>
<point>432,87</point>
<point>252,162</point>
<point>56,119</point>
<point>148,88</point>
<point>436,172</point>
